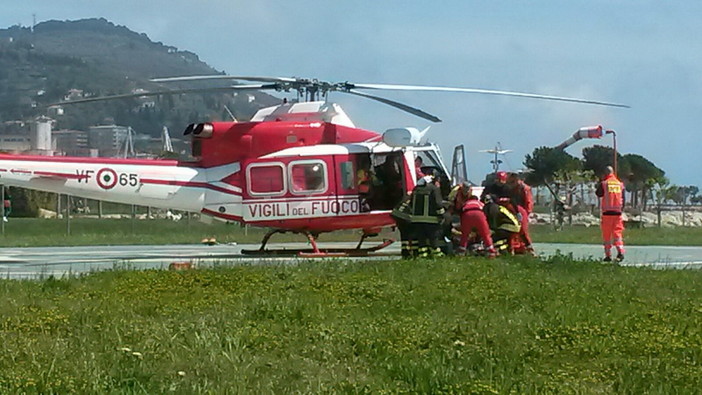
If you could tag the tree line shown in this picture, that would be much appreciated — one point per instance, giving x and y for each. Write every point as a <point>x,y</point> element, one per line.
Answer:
<point>645,181</point>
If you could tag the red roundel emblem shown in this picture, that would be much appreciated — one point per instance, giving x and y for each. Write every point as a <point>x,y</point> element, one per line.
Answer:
<point>106,178</point>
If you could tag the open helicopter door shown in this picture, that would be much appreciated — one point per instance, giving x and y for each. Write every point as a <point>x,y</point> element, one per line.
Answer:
<point>458,165</point>
<point>388,178</point>
<point>377,178</point>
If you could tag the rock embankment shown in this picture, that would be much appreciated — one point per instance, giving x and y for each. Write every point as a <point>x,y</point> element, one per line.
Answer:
<point>669,219</point>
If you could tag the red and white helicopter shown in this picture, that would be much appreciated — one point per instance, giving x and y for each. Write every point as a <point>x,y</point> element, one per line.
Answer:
<point>302,167</point>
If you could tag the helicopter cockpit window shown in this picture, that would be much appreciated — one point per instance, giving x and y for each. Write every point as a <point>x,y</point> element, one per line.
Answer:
<point>308,177</point>
<point>429,162</point>
<point>266,179</point>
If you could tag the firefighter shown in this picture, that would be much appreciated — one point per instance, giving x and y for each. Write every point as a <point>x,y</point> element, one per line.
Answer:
<point>504,224</point>
<point>611,193</point>
<point>446,235</point>
<point>458,197</point>
<point>473,219</point>
<point>426,216</point>
<point>401,215</point>
<point>497,188</point>
<point>522,198</point>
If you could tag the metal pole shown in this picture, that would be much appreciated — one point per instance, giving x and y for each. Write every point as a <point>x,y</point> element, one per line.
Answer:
<point>2,192</point>
<point>68,215</point>
<point>614,144</point>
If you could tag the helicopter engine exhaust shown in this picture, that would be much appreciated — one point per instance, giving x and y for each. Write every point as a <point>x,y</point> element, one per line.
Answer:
<point>203,130</point>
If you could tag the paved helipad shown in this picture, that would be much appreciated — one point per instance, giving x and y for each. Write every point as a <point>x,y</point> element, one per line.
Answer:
<point>59,261</point>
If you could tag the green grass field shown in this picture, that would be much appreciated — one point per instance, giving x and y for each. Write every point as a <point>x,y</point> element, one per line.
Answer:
<point>686,236</point>
<point>87,231</point>
<point>512,325</point>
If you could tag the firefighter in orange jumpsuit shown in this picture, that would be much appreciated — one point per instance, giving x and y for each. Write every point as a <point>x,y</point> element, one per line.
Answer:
<point>458,197</point>
<point>473,218</point>
<point>522,198</point>
<point>611,193</point>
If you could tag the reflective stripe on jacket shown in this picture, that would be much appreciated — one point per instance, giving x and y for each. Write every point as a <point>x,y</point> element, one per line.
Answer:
<point>426,205</point>
<point>402,211</point>
<point>501,218</point>
<point>508,221</point>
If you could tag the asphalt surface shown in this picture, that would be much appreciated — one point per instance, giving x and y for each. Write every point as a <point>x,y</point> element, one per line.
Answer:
<point>41,262</point>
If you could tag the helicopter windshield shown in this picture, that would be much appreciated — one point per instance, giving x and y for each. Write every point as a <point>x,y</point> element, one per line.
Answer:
<point>428,160</point>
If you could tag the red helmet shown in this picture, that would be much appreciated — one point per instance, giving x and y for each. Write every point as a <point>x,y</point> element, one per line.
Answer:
<point>501,175</point>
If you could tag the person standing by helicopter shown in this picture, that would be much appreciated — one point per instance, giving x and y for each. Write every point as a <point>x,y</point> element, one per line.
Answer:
<point>426,216</point>
<point>524,201</point>
<point>458,197</point>
<point>7,207</point>
<point>402,217</point>
<point>497,188</point>
<point>611,193</point>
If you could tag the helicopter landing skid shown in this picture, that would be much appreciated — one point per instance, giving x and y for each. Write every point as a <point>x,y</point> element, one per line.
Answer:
<point>315,251</point>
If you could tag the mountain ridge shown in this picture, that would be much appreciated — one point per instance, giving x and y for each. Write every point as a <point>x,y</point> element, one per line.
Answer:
<point>95,57</point>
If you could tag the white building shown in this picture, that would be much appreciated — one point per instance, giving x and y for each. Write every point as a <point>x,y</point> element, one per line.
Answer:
<point>107,139</point>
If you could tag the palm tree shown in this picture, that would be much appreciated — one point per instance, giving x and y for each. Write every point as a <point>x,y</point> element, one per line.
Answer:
<point>663,192</point>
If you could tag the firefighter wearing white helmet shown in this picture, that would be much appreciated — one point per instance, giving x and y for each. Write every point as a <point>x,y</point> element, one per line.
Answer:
<point>426,215</point>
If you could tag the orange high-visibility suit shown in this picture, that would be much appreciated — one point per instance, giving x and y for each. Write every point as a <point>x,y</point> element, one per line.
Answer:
<point>473,218</point>
<point>611,193</point>
<point>525,205</point>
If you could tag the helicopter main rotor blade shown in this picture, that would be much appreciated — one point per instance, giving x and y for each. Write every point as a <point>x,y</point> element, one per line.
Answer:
<point>169,92</point>
<point>222,77</point>
<point>484,92</point>
<point>404,107</point>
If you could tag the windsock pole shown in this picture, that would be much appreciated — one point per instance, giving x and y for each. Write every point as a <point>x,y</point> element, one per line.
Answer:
<point>614,144</point>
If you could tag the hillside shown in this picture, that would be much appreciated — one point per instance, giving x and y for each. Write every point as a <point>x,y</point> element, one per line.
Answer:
<point>94,57</point>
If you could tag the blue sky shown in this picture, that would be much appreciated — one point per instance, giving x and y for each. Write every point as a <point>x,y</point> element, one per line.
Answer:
<point>647,54</point>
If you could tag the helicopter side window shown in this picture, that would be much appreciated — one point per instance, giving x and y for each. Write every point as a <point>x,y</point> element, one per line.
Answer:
<point>266,179</point>
<point>308,177</point>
